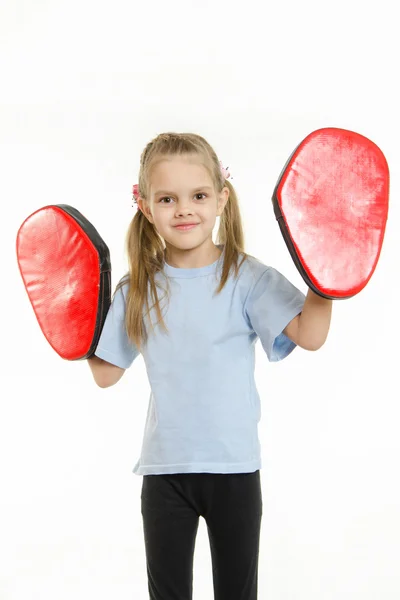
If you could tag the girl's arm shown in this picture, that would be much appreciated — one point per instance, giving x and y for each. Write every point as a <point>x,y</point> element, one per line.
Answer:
<point>104,373</point>
<point>310,328</point>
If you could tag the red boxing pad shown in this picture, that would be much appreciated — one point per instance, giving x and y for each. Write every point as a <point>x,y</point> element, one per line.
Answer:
<point>331,203</point>
<point>66,270</point>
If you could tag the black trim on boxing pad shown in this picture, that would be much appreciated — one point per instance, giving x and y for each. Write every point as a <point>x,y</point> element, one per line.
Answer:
<point>104,297</point>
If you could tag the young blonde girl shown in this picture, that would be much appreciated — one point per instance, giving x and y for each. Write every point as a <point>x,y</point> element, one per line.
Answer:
<point>195,310</point>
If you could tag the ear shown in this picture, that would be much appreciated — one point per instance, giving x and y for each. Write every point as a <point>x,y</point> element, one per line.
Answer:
<point>222,200</point>
<point>144,207</point>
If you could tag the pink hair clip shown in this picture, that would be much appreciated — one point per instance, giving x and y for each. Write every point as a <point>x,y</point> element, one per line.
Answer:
<point>225,173</point>
<point>135,189</point>
<point>135,193</point>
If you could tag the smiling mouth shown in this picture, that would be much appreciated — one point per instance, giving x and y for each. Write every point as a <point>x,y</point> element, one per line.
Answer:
<point>186,226</point>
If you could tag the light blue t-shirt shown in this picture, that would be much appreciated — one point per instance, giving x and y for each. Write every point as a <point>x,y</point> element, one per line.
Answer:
<point>204,406</point>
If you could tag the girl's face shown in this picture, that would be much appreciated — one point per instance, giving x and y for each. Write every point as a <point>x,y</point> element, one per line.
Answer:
<point>181,191</point>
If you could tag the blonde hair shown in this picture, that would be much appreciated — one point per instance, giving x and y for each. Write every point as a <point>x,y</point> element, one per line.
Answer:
<point>145,247</point>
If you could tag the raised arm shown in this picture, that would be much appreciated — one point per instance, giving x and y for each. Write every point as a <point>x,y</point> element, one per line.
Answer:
<point>104,373</point>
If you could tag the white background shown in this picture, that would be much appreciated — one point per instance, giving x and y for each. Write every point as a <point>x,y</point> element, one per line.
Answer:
<point>84,87</point>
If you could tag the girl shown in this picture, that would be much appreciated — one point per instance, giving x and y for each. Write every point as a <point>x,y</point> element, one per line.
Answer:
<point>201,454</point>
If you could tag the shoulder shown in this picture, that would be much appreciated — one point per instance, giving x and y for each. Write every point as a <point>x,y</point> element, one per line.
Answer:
<point>122,287</point>
<point>254,269</point>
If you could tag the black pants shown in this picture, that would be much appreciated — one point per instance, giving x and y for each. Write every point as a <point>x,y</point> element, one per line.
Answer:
<point>231,505</point>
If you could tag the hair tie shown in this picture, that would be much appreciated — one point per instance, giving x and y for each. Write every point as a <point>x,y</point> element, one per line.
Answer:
<point>135,189</point>
<point>225,173</point>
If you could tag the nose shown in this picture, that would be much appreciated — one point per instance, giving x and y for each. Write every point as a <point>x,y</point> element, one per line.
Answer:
<point>184,209</point>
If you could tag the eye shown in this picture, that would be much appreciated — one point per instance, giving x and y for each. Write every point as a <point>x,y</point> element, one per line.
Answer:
<point>169,197</point>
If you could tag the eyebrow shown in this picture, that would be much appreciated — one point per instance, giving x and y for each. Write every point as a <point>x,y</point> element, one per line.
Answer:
<point>203,187</point>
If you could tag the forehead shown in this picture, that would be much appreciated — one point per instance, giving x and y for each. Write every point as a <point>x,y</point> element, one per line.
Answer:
<point>178,174</point>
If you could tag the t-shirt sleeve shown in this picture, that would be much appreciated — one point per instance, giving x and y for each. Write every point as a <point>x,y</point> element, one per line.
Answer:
<point>272,303</point>
<point>114,345</point>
